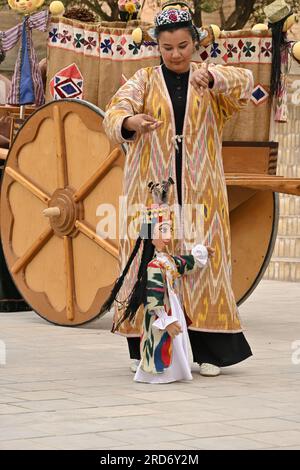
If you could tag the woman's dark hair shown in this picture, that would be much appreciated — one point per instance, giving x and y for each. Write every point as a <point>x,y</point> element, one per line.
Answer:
<point>188,26</point>
<point>138,295</point>
<point>278,41</point>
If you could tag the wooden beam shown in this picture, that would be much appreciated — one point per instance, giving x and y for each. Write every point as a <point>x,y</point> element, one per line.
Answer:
<point>267,183</point>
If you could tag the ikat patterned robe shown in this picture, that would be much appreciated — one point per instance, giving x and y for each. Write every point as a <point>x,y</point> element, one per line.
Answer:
<point>208,298</point>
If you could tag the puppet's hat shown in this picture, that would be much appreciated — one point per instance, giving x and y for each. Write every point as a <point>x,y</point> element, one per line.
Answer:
<point>159,210</point>
<point>160,191</point>
<point>277,11</point>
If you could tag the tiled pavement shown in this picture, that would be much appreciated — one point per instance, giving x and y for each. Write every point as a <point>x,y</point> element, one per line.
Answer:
<point>71,388</point>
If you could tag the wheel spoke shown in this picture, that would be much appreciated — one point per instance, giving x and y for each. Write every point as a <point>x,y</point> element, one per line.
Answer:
<point>62,175</point>
<point>44,197</point>
<point>70,283</point>
<point>89,185</point>
<point>105,244</point>
<point>32,251</point>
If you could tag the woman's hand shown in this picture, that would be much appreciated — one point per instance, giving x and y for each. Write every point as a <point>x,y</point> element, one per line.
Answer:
<point>211,251</point>
<point>174,329</point>
<point>201,78</point>
<point>141,123</point>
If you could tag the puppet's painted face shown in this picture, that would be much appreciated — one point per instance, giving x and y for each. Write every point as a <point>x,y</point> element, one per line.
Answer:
<point>25,6</point>
<point>162,235</point>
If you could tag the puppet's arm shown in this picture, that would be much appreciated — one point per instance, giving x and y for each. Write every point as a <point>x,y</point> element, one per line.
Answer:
<point>187,264</point>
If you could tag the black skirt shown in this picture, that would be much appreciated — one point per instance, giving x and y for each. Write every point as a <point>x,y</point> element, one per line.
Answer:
<point>220,349</point>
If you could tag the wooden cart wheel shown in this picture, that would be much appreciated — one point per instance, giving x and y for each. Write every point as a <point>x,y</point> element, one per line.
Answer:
<point>253,224</point>
<point>63,162</point>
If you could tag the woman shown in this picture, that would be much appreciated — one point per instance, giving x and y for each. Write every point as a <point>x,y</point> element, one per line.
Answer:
<point>172,117</point>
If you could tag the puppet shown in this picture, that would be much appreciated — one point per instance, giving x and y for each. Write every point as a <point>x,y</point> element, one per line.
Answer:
<point>164,341</point>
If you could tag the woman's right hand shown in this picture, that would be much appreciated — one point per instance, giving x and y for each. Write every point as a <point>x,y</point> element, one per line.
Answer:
<point>141,123</point>
<point>174,329</point>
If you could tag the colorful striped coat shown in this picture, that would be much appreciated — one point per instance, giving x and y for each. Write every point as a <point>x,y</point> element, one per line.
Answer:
<point>207,295</point>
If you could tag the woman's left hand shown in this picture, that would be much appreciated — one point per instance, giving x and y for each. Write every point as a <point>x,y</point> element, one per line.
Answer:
<point>201,78</point>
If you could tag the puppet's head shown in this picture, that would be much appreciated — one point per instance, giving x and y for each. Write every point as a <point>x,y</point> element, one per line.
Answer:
<point>25,7</point>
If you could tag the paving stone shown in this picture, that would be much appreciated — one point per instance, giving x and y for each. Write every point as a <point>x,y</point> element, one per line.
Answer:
<point>71,388</point>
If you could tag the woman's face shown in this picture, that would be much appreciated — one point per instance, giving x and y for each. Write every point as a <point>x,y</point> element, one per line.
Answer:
<point>176,48</point>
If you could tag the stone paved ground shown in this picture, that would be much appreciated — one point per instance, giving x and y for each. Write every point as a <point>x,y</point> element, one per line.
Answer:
<point>70,388</point>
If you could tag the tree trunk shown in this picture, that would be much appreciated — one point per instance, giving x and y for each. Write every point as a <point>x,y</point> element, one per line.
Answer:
<point>197,17</point>
<point>113,4</point>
